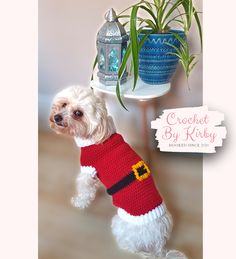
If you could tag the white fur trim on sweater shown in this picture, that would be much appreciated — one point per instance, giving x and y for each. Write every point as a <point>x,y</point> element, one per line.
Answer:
<point>143,219</point>
<point>88,170</point>
<point>83,142</point>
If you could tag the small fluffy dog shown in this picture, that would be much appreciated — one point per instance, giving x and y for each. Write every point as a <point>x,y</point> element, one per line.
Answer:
<point>142,224</point>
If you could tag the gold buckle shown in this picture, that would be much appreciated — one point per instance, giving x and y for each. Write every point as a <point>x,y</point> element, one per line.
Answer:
<point>136,169</point>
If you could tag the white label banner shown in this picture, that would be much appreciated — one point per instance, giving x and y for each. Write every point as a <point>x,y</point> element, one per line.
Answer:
<point>192,129</point>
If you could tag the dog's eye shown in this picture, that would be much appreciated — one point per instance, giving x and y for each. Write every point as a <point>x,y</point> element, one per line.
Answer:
<point>78,113</point>
<point>64,105</point>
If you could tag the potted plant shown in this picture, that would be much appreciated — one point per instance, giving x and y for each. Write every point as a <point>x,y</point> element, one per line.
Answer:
<point>155,48</point>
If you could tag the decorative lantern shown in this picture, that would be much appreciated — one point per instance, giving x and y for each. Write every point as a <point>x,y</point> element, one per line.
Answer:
<point>111,46</point>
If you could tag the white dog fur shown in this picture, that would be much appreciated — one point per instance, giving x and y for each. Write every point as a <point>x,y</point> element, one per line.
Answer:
<point>94,126</point>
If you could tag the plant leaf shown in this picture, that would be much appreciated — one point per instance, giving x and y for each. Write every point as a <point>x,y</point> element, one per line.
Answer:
<point>165,5</point>
<point>126,9</point>
<point>180,39</point>
<point>124,61</point>
<point>198,26</point>
<point>150,24</point>
<point>147,4</point>
<point>173,46</point>
<point>121,72</point>
<point>134,43</point>
<point>149,11</point>
<point>174,18</point>
<point>144,39</point>
<point>183,53</point>
<point>192,12</point>
<point>157,2</point>
<point>124,24</point>
<point>179,21</point>
<point>119,96</point>
<point>123,16</point>
<point>172,9</point>
<point>94,65</point>
<point>124,64</point>
<point>131,67</point>
<point>193,65</point>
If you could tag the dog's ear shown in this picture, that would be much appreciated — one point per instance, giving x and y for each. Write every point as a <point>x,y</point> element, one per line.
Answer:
<point>106,126</point>
<point>101,115</point>
<point>104,130</point>
<point>98,95</point>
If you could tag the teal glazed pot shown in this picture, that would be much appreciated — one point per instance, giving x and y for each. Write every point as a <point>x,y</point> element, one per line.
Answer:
<point>156,64</point>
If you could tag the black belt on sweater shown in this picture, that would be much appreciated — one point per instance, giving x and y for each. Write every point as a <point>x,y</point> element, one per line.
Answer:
<point>140,172</point>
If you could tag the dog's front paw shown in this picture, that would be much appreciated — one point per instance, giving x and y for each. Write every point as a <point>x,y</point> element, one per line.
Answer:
<point>80,201</point>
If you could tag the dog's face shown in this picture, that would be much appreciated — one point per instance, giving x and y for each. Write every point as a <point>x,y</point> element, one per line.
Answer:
<point>77,111</point>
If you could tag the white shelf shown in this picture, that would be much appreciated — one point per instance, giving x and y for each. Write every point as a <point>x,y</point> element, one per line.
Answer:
<point>142,91</point>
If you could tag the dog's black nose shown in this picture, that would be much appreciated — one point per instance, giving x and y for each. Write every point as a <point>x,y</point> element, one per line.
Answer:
<point>58,118</point>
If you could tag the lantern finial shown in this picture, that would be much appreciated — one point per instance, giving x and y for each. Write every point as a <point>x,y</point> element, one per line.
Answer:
<point>111,16</point>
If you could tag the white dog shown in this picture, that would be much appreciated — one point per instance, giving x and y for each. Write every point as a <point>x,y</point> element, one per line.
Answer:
<point>142,224</point>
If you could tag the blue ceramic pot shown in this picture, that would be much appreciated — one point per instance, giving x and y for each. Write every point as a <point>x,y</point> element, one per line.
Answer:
<point>156,65</point>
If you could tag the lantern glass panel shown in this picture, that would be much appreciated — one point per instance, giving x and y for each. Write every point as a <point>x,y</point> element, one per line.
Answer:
<point>113,60</point>
<point>101,64</point>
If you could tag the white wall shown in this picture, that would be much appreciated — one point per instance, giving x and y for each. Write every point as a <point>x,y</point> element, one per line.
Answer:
<point>67,33</point>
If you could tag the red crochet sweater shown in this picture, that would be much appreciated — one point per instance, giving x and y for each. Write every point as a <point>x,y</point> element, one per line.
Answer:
<point>113,160</point>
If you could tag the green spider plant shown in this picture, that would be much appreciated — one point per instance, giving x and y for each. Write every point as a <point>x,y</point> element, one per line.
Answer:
<point>161,14</point>
<point>186,59</point>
